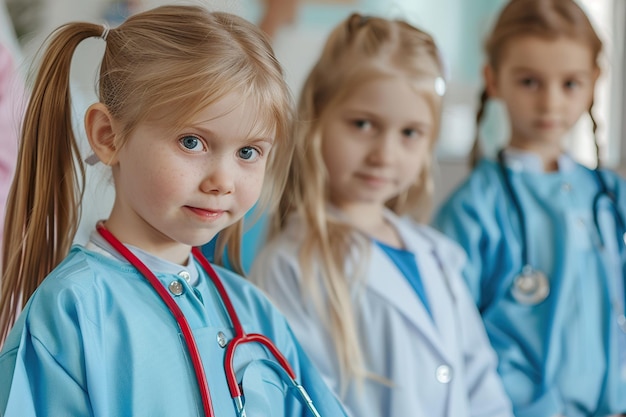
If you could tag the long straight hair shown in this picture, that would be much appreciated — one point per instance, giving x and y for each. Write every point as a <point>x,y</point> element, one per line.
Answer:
<point>360,49</point>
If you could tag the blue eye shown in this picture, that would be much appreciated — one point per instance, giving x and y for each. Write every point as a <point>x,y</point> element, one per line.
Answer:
<point>191,143</point>
<point>571,84</point>
<point>248,153</point>
<point>529,82</point>
<point>362,124</point>
<point>410,133</point>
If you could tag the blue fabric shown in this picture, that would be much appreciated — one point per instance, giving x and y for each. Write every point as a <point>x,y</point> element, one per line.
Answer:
<point>406,263</point>
<point>95,340</point>
<point>567,354</point>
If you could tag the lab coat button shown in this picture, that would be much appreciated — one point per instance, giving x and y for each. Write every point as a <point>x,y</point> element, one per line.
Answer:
<point>444,374</point>
<point>566,187</point>
<point>221,339</point>
<point>176,287</point>
<point>185,275</point>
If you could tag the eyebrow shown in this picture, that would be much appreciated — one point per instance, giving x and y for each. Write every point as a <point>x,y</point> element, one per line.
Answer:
<point>579,73</point>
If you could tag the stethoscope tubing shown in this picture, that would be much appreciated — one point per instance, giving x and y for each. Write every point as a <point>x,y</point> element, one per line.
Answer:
<point>517,206</point>
<point>190,341</point>
<point>613,198</point>
<point>240,336</point>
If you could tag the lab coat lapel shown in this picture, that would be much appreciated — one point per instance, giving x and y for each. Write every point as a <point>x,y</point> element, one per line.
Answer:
<point>385,279</point>
<point>438,289</point>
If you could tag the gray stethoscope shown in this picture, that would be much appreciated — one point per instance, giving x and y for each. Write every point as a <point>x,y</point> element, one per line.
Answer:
<point>531,286</point>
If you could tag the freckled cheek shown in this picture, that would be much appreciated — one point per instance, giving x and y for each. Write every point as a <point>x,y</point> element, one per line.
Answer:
<point>160,185</point>
<point>249,186</point>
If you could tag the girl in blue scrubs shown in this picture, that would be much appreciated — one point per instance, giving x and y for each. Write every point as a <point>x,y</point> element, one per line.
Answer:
<point>375,297</point>
<point>544,234</point>
<point>192,118</point>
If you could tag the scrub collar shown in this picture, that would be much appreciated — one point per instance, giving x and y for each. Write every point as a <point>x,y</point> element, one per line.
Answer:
<point>98,244</point>
<point>525,161</point>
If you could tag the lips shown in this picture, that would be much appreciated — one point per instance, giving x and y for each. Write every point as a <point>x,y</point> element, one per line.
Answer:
<point>373,179</point>
<point>547,124</point>
<point>206,213</point>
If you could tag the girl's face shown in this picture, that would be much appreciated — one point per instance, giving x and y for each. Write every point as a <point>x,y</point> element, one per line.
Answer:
<point>546,86</point>
<point>176,190</point>
<point>375,143</point>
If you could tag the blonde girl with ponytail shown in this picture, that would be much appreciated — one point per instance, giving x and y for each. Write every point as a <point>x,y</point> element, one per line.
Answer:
<point>192,118</point>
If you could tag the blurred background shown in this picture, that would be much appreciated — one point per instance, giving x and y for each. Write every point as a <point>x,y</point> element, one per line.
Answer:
<point>299,28</point>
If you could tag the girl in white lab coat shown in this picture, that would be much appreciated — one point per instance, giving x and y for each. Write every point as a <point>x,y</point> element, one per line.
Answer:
<point>376,298</point>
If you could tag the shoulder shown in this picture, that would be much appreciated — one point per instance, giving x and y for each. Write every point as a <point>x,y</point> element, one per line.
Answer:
<point>612,178</point>
<point>70,299</point>
<point>474,202</point>
<point>75,274</point>
<point>80,287</point>
<point>247,297</point>
<point>481,184</point>
<point>281,251</point>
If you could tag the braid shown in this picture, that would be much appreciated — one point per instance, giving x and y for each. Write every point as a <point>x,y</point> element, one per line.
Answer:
<point>476,149</point>
<point>594,125</point>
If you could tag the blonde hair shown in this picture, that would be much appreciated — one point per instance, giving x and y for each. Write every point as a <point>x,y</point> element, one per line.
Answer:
<point>179,58</point>
<point>360,49</point>
<point>548,19</point>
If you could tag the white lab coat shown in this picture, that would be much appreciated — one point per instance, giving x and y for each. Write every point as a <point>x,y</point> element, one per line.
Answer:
<point>443,369</point>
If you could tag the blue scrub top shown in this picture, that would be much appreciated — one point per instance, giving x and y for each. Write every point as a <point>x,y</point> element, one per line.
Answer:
<point>567,354</point>
<point>95,340</point>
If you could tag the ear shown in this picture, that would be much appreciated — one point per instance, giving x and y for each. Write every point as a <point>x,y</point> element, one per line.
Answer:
<point>100,129</point>
<point>491,84</point>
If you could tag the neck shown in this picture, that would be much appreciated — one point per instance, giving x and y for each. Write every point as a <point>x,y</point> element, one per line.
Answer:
<point>548,152</point>
<point>158,246</point>
<point>370,220</point>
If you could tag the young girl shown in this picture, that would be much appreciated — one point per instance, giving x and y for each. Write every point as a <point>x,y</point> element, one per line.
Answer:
<point>193,112</point>
<point>376,299</point>
<point>545,235</point>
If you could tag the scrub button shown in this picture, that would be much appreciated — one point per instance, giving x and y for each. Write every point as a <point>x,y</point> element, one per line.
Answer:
<point>176,287</point>
<point>221,339</point>
<point>444,374</point>
<point>566,187</point>
<point>185,275</point>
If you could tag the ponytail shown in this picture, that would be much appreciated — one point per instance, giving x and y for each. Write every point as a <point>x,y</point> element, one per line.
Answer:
<point>43,207</point>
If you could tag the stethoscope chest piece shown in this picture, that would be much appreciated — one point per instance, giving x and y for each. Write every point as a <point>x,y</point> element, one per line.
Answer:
<point>530,287</point>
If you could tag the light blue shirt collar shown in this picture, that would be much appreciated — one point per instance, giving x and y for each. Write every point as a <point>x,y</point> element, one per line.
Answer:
<point>525,161</point>
<point>157,265</point>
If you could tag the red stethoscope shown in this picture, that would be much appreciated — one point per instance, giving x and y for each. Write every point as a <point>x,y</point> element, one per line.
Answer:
<point>240,336</point>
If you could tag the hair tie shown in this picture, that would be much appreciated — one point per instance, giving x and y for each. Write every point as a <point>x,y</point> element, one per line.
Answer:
<point>105,32</point>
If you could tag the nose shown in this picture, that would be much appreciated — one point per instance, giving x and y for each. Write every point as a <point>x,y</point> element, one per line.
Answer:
<point>552,97</point>
<point>382,150</point>
<point>219,177</point>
